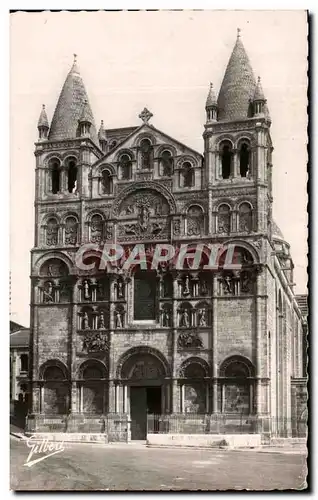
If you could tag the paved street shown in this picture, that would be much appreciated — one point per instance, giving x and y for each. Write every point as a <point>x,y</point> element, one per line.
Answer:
<point>136,467</point>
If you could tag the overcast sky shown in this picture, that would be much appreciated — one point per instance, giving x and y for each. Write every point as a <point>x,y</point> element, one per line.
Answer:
<point>164,61</point>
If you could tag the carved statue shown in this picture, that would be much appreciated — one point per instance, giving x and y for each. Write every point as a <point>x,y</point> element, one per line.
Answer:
<point>177,227</point>
<point>246,281</point>
<point>85,324</point>
<point>202,317</point>
<point>185,318</point>
<point>144,217</point>
<point>165,317</point>
<point>120,289</point>
<point>48,294</point>
<point>129,210</point>
<point>118,319</point>
<point>86,289</point>
<point>101,320</point>
<point>74,190</point>
<point>203,287</point>
<point>186,286</point>
<point>228,285</point>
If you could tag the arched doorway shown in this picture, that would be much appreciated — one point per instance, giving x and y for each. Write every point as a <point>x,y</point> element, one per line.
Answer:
<point>143,372</point>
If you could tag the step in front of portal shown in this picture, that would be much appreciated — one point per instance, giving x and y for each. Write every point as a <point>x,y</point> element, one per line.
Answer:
<point>205,440</point>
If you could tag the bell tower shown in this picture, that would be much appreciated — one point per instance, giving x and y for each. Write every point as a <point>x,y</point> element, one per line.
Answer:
<point>238,151</point>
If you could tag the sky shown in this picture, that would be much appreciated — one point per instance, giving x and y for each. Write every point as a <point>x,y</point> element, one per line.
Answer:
<point>163,61</point>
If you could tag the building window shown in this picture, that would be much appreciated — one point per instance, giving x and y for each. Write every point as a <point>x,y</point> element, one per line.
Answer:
<point>226,160</point>
<point>166,164</point>
<point>224,219</point>
<point>52,231</point>
<point>187,174</point>
<point>72,176</point>
<point>244,160</point>
<point>193,389</point>
<point>55,177</point>
<point>24,360</point>
<point>145,291</point>
<point>106,182</point>
<point>245,217</point>
<point>146,154</point>
<point>125,167</point>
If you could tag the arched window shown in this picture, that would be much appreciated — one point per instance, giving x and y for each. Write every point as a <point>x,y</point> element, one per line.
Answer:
<point>224,219</point>
<point>187,174</point>
<point>244,160</point>
<point>146,154</point>
<point>238,386</point>
<point>194,395</point>
<point>70,237</point>
<point>52,231</point>
<point>166,163</point>
<point>195,221</point>
<point>72,176</point>
<point>92,397</point>
<point>125,167</point>
<point>55,176</point>
<point>245,217</point>
<point>106,182</point>
<point>226,160</point>
<point>56,391</point>
<point>96,228</point>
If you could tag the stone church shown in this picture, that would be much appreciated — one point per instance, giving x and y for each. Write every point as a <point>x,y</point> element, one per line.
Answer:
<point>191,350</point>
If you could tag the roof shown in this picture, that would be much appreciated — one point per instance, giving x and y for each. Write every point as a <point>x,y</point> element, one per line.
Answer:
<point>86,115</point>
<point>43,121</point>
<point>69,109</point>
<point>16,326</point>
<point>20,338</point>
<point>302,301</point>
<point>237,87</point>
<point>211,99</point>
<point>259,93</point>
<point>276,232</point>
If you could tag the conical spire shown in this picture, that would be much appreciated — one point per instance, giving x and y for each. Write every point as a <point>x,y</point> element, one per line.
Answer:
<point>259,93</point>
<point>43,121</point>
<point>211,99</point>
<point>69,108</point>
<point>238,85</point>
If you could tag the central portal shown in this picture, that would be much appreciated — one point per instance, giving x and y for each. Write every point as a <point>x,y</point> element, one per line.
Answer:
<point>143,401</point>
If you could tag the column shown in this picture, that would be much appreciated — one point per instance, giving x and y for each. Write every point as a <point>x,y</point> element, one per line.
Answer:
<point>125,398</point>
<point>117,398</point>
<point>175,397</point>
<point>258,346</point>
<point>182,391</point>
<point>168,397</point>
<point>214,344</point>
<point>42,398</point>
<point>111,401</point>
<point>223,398</point>
<point>251,398</point>
<point>207,398</point>
<point>74,397</point>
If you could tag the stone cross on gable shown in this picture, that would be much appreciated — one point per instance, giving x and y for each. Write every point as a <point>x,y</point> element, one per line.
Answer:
<point>145,115</point>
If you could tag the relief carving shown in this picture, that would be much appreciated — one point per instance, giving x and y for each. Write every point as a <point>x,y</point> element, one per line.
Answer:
<point>189,340</point>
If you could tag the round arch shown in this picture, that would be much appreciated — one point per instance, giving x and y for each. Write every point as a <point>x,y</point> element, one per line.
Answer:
<point>150,186</point>
<point>132,355</point>
<point>194,360</point>
<point>248,366</point>
<point>52,255</point>
<point>53,363</point>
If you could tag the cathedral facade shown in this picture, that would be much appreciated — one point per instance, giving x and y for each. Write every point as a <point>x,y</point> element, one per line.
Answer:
<point>192,345</point>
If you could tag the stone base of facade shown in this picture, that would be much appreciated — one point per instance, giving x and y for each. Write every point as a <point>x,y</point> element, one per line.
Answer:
<point>205,440</point>
<point>78,427</point>
<point>68,437</point>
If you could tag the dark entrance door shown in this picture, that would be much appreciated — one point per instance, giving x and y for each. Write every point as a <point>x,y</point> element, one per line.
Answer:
<point>143,400</point>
